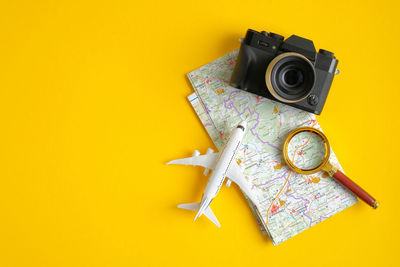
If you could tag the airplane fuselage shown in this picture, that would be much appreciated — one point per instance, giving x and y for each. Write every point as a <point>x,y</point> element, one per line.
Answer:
<point>218,175</point>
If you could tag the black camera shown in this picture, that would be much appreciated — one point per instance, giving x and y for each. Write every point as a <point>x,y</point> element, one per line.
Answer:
<point>289,71</point>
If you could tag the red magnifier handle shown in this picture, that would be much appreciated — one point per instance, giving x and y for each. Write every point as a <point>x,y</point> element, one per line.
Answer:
<point>361,193</point>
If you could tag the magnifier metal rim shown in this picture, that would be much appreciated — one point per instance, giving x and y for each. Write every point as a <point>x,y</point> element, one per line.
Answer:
<point>288,162</point>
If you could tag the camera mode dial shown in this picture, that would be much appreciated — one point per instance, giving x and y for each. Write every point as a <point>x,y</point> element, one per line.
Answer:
<point>277,36</point>
<point>265,33</point>
<point>326,52</point>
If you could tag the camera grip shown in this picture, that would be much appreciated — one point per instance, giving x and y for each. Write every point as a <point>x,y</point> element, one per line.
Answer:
<point>356,189</point>
<point>242,65</point>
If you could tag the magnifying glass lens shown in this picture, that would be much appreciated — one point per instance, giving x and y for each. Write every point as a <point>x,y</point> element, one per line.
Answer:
<point>306,150</point>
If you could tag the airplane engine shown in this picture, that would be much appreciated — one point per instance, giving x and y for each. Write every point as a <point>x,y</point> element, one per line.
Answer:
<point>209,151</point>
<point>196,153</point>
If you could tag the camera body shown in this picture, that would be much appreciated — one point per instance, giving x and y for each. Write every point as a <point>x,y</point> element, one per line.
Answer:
<point>289,71</point>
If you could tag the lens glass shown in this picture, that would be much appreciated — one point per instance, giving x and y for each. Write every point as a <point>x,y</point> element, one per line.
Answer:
<point>292,77</point>
<point>306,150</point>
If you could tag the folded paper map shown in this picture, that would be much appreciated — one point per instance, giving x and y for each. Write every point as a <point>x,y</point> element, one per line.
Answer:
<point>288,203</point>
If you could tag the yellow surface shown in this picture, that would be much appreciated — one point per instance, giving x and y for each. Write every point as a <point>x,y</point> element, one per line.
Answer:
<point>93,103</point>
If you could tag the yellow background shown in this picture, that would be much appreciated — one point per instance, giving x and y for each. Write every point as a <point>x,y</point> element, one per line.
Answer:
<point>93,103</point>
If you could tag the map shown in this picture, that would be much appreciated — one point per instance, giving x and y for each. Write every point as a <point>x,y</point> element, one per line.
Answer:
<point>288,203</point>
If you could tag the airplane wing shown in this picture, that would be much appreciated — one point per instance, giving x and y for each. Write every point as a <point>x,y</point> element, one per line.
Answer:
<point>208,161</point>
<point>235,174</point>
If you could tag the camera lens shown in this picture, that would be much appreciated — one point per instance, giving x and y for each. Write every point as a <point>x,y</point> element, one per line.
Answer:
<point>290,77</point>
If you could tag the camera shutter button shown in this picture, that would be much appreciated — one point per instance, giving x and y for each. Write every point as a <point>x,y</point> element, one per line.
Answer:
<point>312,100</point>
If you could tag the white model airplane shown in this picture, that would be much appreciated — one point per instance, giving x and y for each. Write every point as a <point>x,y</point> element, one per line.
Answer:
<point>223,165</point>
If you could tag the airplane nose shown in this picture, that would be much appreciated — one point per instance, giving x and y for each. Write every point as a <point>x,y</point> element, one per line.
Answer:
<point>243,124</point>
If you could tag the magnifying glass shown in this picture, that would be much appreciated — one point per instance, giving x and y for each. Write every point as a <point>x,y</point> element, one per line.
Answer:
<point>306,150</point>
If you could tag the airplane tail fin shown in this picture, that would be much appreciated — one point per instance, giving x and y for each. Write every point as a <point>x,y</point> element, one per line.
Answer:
<point>196,206</point>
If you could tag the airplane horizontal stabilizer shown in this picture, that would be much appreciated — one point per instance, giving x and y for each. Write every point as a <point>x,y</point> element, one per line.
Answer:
<point>196,206</point>
<point>210,215</point>
<point>190,206</point>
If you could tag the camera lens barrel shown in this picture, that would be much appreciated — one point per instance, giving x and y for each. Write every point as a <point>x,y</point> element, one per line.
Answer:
<point>290,77</point>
